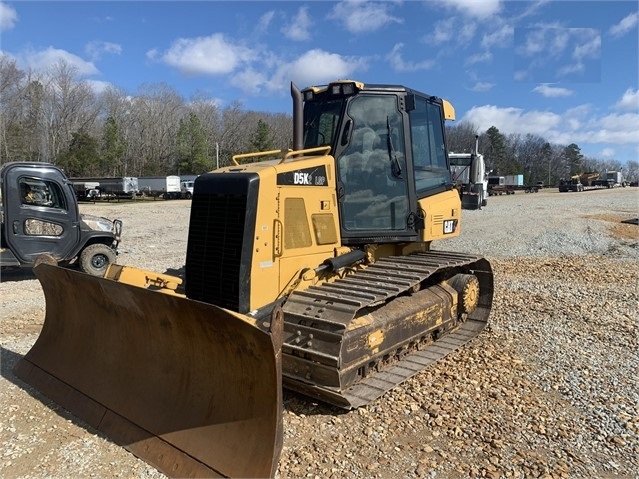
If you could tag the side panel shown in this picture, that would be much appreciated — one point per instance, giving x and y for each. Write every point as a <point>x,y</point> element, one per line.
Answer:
<point>443,215</point>
<point>308,217</point>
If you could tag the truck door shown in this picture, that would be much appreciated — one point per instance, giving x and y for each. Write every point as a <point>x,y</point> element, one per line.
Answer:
<point>41,213</point>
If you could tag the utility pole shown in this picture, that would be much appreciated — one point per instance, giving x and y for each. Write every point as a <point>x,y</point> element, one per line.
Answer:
<point>217,155</point>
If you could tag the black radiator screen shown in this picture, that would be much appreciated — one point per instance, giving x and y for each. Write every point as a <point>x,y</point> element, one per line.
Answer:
<point>220,242</point>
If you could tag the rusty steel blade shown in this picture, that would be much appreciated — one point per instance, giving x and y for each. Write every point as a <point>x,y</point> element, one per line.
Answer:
<point>192,389</point>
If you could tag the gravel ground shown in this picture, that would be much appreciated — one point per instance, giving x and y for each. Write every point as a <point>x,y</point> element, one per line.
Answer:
<point>550,389</point>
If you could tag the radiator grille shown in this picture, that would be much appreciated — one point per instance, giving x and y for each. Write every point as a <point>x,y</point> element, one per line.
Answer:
<point>217,249</point>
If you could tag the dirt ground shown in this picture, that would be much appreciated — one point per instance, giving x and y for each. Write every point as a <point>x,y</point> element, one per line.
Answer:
<point>548,390</point>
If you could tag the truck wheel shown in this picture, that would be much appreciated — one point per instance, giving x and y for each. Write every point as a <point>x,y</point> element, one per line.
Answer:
<point>188,195</point>
<point>95,258</point>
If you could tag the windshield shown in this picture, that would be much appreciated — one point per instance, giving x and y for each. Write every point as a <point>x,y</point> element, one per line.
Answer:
<point>459,161</point>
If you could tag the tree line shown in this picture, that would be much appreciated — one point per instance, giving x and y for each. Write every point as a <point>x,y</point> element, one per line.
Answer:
<point>55,117</point>
<point>531,155</point>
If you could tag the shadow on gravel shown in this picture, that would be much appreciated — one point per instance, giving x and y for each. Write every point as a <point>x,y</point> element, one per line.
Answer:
<point>298,404</point>
<point>8,360</point>
<point>16,274</point>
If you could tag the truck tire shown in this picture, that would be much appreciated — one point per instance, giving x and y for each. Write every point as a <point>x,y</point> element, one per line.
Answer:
<point>95,259</point>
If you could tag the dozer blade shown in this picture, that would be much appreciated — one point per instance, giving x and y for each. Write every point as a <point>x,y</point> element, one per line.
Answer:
<point>192,389</point>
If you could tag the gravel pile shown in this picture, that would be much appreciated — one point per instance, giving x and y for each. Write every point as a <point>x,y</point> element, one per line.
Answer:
<point>548,390</point>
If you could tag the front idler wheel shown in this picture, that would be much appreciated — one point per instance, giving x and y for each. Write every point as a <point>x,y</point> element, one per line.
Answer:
<point>467,287</point>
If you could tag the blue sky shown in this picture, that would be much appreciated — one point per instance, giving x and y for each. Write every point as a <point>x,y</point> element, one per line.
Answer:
<point>567,71</point>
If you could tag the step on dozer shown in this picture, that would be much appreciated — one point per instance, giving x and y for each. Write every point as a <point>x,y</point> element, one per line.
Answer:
<point>211,405</point>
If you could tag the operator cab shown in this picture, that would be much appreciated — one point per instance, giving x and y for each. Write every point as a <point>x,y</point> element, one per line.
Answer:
<point>390,151</point>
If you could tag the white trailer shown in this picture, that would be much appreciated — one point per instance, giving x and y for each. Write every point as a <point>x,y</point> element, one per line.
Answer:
<point>167,187</point>
<point>112,186</point>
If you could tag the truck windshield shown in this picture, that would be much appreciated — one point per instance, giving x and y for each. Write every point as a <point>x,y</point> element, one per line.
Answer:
<point>459,161</point>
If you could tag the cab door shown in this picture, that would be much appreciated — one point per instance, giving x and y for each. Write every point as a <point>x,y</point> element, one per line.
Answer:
<point>41,213</point>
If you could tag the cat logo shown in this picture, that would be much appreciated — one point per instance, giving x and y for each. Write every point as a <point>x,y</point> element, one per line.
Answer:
<point>450,226</point>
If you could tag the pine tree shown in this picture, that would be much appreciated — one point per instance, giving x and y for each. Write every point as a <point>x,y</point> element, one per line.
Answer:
<point>261,140</point>
<point>192,147</point>
<point>574,159</point>
<point>496,152</point>
<point>81,158</point>
<point>113,149</point>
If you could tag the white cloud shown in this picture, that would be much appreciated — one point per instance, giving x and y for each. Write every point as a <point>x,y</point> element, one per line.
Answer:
<point>577,125</point>
<point>264,22</point>
<point>502,37</point>
<point>629,100</point>
<point>544,40</point>
<point>482,86</point>
<point>607,153</point>
<point>360,16</point>
<point>8,17</point>
<point>315,67</point>
<point>625,25</point>
<point>476,8</point>
<point>249,81</point>
<point>481,57</point>
<point>552,91</point>
<point>446,31</point>
<point>571,68</point>
<point>443,32</point>
<point>43,60</point>
<point>590,44</point>
<point>298,30</point>
<point>212,55</point>
<point>98,86</point>
<point>96,49</point>
<point>394,57</point>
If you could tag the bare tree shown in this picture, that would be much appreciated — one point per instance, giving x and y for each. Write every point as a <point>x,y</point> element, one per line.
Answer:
<point>156,112</point>
<point>68,106</point>
<point>11,111</point>
<point>461,137</point>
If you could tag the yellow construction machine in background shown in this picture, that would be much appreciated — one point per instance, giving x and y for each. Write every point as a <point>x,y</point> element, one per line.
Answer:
<point>312,271</point>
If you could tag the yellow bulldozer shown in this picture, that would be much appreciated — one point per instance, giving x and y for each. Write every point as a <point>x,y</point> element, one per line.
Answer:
<point>312,271</point>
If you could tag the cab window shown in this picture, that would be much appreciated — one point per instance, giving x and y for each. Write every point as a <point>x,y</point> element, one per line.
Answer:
<point>37,192</point>
<point>429,156</point>
<point>371,168</point>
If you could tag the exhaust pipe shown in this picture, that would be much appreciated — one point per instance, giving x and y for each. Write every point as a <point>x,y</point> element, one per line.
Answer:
<point>472,175</point>
<point>298,118</point>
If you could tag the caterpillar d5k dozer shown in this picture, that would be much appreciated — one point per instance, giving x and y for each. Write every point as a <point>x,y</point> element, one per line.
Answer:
<point>313,270</point>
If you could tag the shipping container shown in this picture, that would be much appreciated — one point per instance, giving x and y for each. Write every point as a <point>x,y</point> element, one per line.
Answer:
<point>514,180</point>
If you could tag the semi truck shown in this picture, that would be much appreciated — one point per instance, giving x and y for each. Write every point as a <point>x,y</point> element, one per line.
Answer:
<point>468,171</point>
